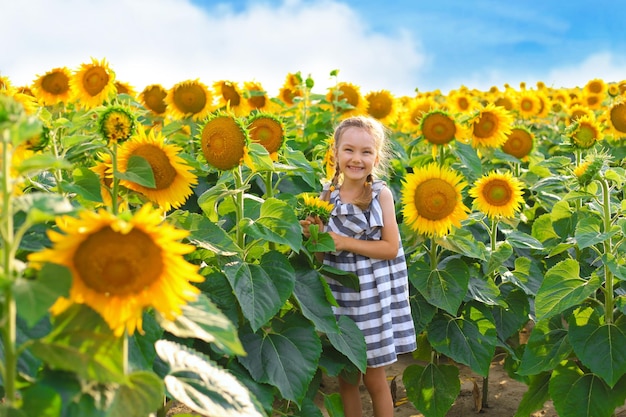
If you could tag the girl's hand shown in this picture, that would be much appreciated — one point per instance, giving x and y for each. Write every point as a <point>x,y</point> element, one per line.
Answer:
<point>306,223</point>
<point>339,241</point>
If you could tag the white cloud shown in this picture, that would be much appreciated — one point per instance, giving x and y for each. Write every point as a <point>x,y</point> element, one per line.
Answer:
<point>169,41</point>
<point>603,65</point>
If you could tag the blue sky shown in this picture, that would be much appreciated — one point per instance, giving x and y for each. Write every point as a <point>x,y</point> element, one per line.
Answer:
<point>400,46</point>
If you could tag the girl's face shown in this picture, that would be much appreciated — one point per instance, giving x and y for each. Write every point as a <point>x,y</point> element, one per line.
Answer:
<point>356,154</point>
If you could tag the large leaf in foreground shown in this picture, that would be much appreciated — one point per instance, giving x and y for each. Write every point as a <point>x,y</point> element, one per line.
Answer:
<point>201,385</point>
<point>286,358</point>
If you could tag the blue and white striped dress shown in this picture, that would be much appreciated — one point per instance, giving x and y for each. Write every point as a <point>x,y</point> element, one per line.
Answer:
<point>381,309</point>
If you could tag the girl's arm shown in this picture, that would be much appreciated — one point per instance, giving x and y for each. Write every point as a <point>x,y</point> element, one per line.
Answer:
<point>385,248</point>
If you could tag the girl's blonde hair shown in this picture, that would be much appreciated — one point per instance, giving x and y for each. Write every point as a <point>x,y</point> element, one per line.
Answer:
<point>379,133</point>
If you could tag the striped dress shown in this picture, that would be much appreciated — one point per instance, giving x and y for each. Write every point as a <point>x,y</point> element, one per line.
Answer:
<point>381,309</point>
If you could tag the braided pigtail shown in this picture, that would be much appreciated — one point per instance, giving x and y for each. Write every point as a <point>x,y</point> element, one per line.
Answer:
<point>333,186</point>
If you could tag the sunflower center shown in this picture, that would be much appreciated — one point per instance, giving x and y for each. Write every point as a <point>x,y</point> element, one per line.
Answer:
<point>438,129</point>
<point>155,99</point>
<point>114,263</point>
<point>94,80</point>
<point>190,99</point>
<point>618,117</point>
<point>486,126</point>
<point>55,83</point>
<point>223,143</point>
<point>497,192</point>
<point>257,101</point>
<point>350,95</point>
<point>164,172</point>
<point>380,105</point>
<point>435,199</point>
<point>463,103</point>
<point>267,133</point>
<point>527,105</point>
<point>519,144</point>
<point>230,94</point>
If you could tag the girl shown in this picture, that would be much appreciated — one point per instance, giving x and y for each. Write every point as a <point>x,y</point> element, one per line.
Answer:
<point>364,228</point>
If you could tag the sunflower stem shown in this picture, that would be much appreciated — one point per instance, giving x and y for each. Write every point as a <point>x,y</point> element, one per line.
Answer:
<point>434,255</point>
<point>58,175</point>
<point>269,193</point>
<point>239,206</point>
<point>606,218</point>
<point>9,308</point>
<point>116,180</point>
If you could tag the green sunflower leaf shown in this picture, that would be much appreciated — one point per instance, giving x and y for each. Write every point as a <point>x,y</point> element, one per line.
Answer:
<point>432,388</point>
<point>138,171</point>
<point>286,358</point>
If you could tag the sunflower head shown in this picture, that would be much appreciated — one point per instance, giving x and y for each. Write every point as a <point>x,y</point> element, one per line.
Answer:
<point>228,94</point>
<point>382,105</point>
<point>173,176</point>
<point>584,133</point>
<point>93,83</point>
<point>432,200</point>
<point>153,98</point>
<point>519,142</point>
<point>498,195</point>
<point>53,87</point>
<point>268,130</point>
<point>189,99</point>
<point>616,119</point>
<point>347,99</point>
<point>224,141</point>
<point>122,265</point>
<point>309,205</point>
<point>256,96</point>
<point>438,127</point>
<point>490,126</point>
<point>117,124</point>
<point>125,88</point>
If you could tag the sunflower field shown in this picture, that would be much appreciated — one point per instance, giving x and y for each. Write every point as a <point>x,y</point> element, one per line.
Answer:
<point>152,252</point>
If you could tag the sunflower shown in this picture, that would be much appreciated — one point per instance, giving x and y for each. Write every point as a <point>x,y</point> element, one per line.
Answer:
<point>595,86</point>
<point>125,88</point>
<point>256,97</point>
<point>576,111</point>
<point>593,101</point>
<point>121,266</point>
<point>438,127</point>
<point>189,99</point>
<point>346,98</point>
<point>5,83</point>
<point>269,131</point>
<point>53,87</point>
<point>229,96</point>
<point>519,142</point>
<point>460,101</point>
<point>432,200</point>
<point>506,101</point>
<point>224,141</point>
<point>528,104</point>
<point>93,83</point>
<point>490,126</point>
<point>117,124</point>
<point>313,206</point>
<point>329,159</point>
<point>411,114</point>
<point>585,132</point>
<point>173,177</point>
<point>291,88</point>
<point>616,119</point>
<point>498,195</point>
<point>382,106</point>
<point>153,98</point>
